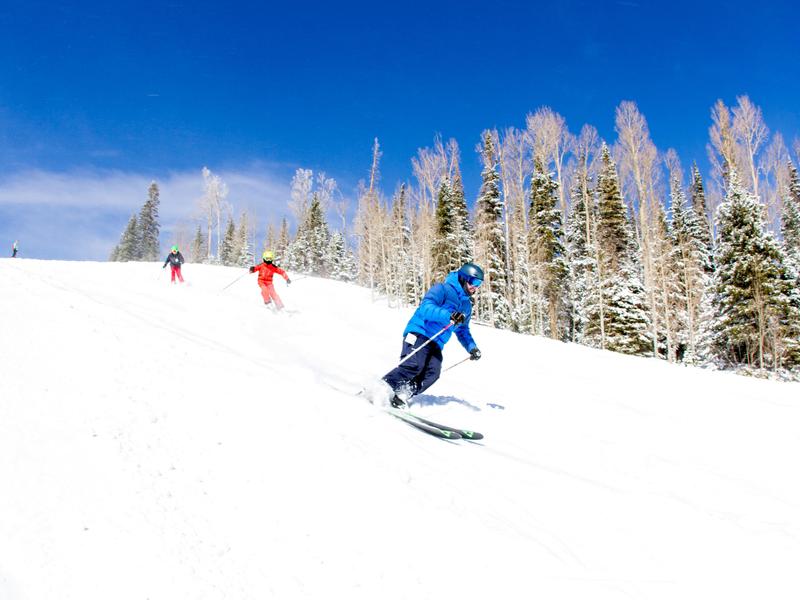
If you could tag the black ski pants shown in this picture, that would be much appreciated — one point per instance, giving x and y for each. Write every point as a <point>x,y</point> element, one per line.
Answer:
<point>420,371</point>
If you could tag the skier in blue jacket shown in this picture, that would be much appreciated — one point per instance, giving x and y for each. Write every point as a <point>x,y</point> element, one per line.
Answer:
<point>447,307</point>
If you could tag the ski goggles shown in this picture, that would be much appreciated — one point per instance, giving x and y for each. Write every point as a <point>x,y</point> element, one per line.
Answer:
<point>474,281</point>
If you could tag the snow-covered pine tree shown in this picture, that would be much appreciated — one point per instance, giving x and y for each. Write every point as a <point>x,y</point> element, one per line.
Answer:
<point>307,252</point>
<point>228,251</point>
<point>757,301</point>
<point>402,284</point>
<point>701,217</point>
<point>446,249</point>
<point>149,226</point>
<point>199,252</point>
<point>693,267</point>
<point>625,316</point>
<point>243,250</point>
<point>128,248</point>
<point>295,256</point>
<point>464,235</point>
<point>282,244</point>
<point>490,248</point>
<point>585,298</point>
<point>270,239</point>
<point>341,264</point>
<point>319,236</point>
<point>790,219</point>
<point>546,248</point>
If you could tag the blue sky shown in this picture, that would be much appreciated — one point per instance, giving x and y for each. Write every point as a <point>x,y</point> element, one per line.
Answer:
<point>104,97</point>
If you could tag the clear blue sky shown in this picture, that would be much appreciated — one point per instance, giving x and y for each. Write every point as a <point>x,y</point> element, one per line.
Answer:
<point>154,89</point>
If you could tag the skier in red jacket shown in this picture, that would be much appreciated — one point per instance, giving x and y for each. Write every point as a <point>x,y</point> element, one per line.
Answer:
<point>266,270</point>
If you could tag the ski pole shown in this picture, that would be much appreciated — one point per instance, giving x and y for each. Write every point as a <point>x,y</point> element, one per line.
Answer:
<point>440,332</point>
<point>234,281</point>
<point>458,363</point>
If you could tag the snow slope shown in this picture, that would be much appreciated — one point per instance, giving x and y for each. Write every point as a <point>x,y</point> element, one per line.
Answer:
<point>171,442</point>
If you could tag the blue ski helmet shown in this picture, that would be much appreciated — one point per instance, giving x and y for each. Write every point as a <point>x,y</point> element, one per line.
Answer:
<point>471,274</point>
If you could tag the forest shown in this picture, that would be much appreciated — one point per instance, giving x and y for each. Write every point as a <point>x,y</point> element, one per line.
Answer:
<point>611,244</point>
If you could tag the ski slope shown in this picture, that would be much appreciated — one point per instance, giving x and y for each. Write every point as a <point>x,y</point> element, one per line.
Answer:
<point>177,442</point>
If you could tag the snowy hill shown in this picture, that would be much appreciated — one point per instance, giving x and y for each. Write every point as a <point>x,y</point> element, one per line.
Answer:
<point>171,442</point>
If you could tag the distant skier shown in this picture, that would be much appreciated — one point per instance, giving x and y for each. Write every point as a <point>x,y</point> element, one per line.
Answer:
<point>446,307</point>
<point>266,271</point>
<point>14,249</point>
<point>175,260</point>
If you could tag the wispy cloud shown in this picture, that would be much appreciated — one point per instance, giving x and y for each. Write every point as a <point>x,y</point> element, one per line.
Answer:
<point>81,214</point>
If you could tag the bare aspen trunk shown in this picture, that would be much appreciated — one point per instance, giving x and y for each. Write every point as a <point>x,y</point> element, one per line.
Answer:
<point>649,280</point>
<point>210,217</point>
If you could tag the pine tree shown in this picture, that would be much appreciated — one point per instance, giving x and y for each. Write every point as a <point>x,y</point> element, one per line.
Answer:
<point>546,247</point>
<point>340,262</point>
<point>270,239</point>
<point>701,218</point>
<point>228,252</point>
<point>757,300</point>
<point>149,226</point>
<point>307,252</point>
<point>446,250</point>
<point>464,235</point>
<point>283,239</point>
<point>128,248</point>
<point>626,322</point>
<point>790,220</point>
<point>519,274</point>
<point>401,265</point>
<point>585,299</point>
<point>199,252</point>
<point>319,235</point>
<point>490,250</point>
<point>693,265</point>
<point>243,251</point>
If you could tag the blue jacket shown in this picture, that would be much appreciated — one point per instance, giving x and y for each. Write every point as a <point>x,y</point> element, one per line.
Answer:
<point>442,300</point>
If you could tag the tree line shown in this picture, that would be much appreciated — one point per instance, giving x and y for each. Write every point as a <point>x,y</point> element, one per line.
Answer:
<point>610,245</point>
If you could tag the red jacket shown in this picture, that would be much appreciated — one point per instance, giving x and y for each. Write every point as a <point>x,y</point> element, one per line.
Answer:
<point>266,271</point>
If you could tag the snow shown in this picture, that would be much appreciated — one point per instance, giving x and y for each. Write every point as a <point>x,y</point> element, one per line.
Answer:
<point>162,441</point>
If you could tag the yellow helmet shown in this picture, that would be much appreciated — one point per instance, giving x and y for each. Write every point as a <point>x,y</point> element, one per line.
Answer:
<point>268,255</point>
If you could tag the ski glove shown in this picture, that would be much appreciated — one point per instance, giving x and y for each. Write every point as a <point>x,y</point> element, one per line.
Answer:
<point>474,354</point>
<point>252,269</point>
<point>288,281</point>
<point>457,318</point>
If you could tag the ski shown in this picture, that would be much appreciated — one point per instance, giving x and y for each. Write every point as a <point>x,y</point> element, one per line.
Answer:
<point>462,433</point>
<point>448,434</point>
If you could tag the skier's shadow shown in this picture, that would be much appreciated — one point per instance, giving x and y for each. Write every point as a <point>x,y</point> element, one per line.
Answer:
<point>426,400</point>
